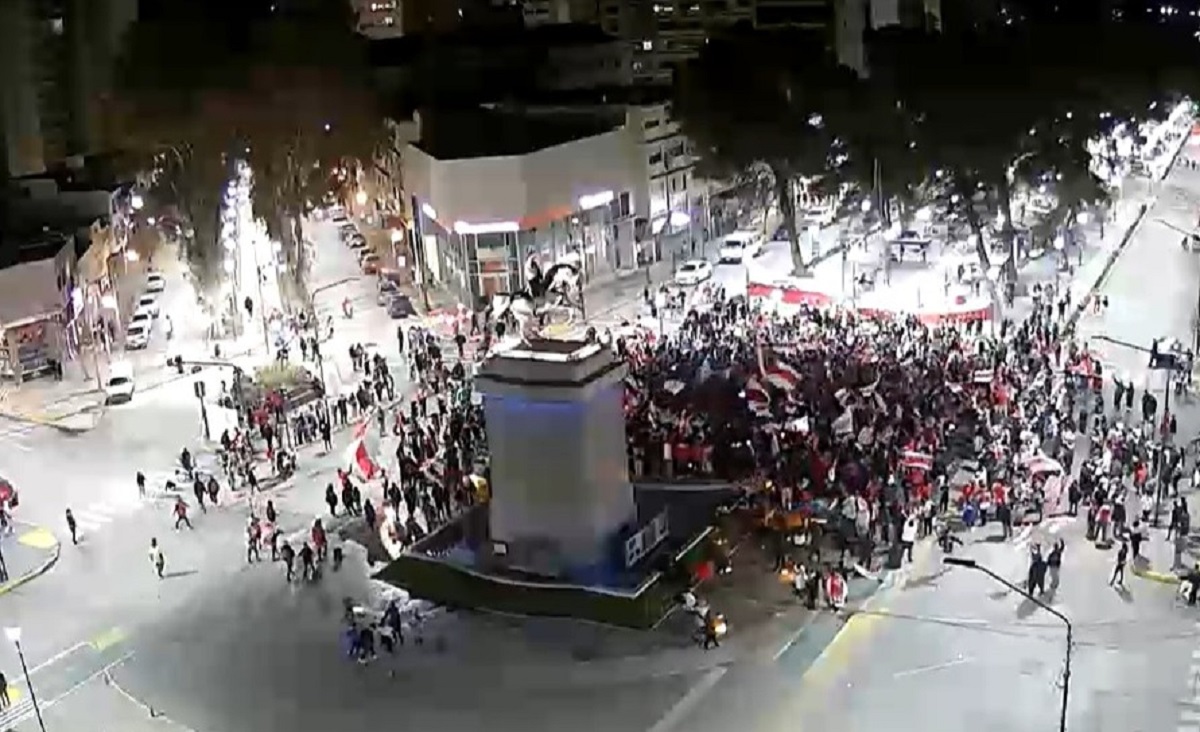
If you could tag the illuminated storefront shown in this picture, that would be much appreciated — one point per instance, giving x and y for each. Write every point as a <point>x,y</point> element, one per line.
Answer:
<point>477,220</point>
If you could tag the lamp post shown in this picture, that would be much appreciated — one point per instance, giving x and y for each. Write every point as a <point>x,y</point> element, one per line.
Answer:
<point>312,305</point>
<point>13,634</point>
<point>1066,679</point>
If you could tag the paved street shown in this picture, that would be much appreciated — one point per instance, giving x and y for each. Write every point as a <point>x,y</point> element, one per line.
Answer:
<point>225,647</point>
<point>1153,288</point>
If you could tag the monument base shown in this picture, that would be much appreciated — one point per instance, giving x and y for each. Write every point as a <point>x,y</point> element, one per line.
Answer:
<point>452,567</point>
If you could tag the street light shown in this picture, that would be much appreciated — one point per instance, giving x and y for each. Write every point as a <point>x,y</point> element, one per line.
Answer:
<point>137,202</point>
<point>312,305</point>
<point>13,634</point>
<point>361,198</point>
<point>1066,679</point>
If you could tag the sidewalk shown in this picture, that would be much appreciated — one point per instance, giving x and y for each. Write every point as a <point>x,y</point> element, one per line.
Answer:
<point>27,553</point>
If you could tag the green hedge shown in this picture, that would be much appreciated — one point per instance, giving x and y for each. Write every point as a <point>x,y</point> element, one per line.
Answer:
<point>447,584</point>
<point>280,376</point>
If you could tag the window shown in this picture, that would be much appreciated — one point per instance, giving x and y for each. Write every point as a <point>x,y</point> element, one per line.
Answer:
<point>647,45</point>
<point>650,124</point>
<point>656,158</point>
<point>677,150</point>
<point>624,204</point>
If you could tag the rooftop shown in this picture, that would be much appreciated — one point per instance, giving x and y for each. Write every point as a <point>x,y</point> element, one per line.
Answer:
<point>477,133</point>
<point>407,49</point>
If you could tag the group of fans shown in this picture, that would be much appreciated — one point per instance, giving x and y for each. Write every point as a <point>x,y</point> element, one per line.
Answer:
<point>873,433</point>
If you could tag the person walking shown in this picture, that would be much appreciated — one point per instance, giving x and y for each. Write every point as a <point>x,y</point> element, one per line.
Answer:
<point>157,560</point>
<point>181,516</point>
<point>141,484</point>
<point>1054,563</point>
<point>1118,575</point>
<point>331,499</point>
<point>72,527</point>
<point>5,699</point>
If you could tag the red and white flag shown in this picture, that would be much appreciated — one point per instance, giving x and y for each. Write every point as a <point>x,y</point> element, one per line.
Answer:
<point>782,376</point>
<point>914,460</point>
<point>756,398</point>
<point>983,376</point>
<point>358,456</point>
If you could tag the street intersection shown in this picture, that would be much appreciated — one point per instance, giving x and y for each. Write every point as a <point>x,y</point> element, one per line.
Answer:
<point>224,646</point>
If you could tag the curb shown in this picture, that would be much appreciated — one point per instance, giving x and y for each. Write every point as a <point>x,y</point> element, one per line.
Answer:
<point>37,571</point>
<point>1160,577</point>
<point>1078,310</point>
<point>1081,307</point>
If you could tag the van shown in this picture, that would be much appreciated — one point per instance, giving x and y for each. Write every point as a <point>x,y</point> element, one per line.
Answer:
<point>118,387</point>
<point>740,246</point>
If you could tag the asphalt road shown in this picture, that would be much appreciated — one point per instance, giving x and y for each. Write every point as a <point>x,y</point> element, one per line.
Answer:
<point>225,647</point>
<point>104,588</point>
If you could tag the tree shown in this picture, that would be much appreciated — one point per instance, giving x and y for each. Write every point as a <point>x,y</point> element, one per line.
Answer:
<point>765,101</point>
<point>283,85</point>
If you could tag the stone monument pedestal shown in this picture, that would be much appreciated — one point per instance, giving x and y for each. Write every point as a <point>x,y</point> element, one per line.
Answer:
<point>561,497</point>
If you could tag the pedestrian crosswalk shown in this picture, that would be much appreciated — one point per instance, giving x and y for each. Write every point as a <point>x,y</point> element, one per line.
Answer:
<point>94,517</point>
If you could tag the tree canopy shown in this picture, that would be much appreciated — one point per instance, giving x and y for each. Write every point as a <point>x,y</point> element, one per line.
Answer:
<point>965,118</point>
<point>768,101</point>
<point>283,85</point>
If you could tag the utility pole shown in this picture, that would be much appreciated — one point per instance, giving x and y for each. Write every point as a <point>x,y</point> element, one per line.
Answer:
<point>1066,678</point>
<point>1172,367</point>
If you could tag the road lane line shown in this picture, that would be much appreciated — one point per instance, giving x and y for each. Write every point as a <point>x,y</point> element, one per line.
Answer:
<point>57,657</point>
<point>1189,715</point>
<point>795,636</point>
<point>684,706</point>
<point>929,669</point>
<point>108,639</point>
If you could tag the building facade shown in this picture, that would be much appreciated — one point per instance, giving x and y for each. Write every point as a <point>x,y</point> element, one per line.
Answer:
<point>477,220</point>
<point>57,64</point>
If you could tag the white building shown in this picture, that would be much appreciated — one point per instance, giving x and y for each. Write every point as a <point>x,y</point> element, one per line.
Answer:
<point>490,189</point>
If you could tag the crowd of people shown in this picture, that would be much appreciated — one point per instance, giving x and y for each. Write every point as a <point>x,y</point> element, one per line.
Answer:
<point>887,430</point>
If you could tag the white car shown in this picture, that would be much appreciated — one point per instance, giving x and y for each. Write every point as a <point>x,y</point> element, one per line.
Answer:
<point>819,215</point>
<point>337,214</point>
<point>740,246</point>
<point>137,335</point>
<point>149,303</point>
<point>119,386</point>
<point>693,272</point>
<point>155,282</point>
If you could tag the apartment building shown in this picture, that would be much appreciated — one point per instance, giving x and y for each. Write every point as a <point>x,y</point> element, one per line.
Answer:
<point>57,61</point>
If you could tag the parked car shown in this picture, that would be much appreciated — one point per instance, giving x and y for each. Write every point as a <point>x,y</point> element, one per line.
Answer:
<point>337,214</point>
<point>400,306</point>
<point>370,263</point>
<point>693,272</point>
<point>386,289</point>
<point>347,230</point>
<point>822,214</point>
<point>137,335</point>
<point>155,282</point>
<point>358,241</point>
<point>118,388</point>
<point>149,302</point>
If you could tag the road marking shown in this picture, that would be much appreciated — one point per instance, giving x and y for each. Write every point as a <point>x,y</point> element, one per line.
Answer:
<point>929,669</point>
<point>108,639</point>
<point>14,693</point>
<point>1189,715</point>
<point>38,538</point>
<point>1196,654</point>
<point>684,706</point>
<point>795,636</point>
